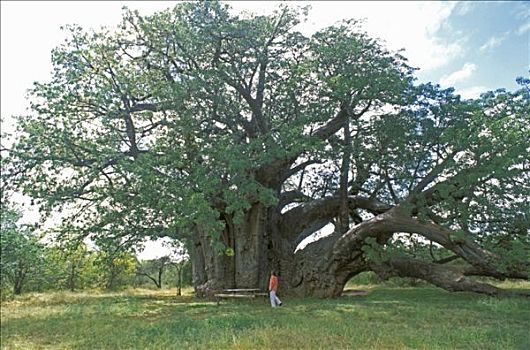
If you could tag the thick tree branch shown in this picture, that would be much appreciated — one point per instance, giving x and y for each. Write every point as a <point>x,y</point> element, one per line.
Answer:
<point>344,217</point>
<point>299,167</point>
<point>292,196</point>
<point>384,225</point>
<point>298,219</point>
<point>449,278</point>
<point>332,126</point>
<point>446,260</point>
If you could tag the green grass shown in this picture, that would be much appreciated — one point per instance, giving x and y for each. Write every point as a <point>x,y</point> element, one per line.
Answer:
<point>387,318</point>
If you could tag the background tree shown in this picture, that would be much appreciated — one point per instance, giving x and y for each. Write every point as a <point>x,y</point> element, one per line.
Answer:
<point>180,263</point>
<point>242,137</point>
<point>72,266</point>
<point>153,269</point>
<point>116,265</point>
<point>22,253</point>
<point>182,272</point>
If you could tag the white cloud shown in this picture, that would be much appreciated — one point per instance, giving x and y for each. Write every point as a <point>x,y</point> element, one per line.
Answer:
<point>464,7</point>
<point>459,75</point>
<point>407,25</point>
<point>472,92</point>
<point>523,28</point>
<point>523,11</point>
<point>492,43</point>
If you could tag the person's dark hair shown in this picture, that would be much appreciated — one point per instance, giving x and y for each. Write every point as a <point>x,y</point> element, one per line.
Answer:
<point>273,272</point>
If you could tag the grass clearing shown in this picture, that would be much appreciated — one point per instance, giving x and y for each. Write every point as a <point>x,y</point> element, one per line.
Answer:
<point>386,318</point>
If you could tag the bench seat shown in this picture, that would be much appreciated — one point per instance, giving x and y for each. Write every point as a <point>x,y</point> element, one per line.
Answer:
<point>235,295</point>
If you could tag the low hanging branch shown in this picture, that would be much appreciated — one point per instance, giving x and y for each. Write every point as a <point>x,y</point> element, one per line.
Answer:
<point>450,278</point>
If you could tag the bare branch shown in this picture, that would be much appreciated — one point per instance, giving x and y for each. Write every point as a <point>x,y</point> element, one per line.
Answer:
<point>447,277</point>
<point>299,167</point>
<point>292,196</point>
<point>437,170</point>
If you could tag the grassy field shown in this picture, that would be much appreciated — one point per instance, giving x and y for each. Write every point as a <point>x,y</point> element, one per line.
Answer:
<point>386,318</point>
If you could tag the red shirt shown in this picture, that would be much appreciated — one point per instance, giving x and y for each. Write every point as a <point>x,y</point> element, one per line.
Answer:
<point>273,283</point>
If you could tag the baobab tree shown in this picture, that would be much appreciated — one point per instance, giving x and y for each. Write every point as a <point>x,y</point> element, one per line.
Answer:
<point>242,137</point>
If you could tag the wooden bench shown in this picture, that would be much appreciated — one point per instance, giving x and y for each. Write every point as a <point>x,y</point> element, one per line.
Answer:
<point>239,293</point>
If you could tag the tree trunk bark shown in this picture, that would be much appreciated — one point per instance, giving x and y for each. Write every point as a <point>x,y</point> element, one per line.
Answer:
<point>160,272</point>
<point>316,273</point>
<point>247,241</point>
<point>256,248</point>
<point>344,211</point>
<point>207,265</point>
<point>71,278</point>
<point>263,242</point>
<point>20,277</point>
<point>179,280</point>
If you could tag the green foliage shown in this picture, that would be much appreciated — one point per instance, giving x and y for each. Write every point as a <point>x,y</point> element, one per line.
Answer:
<point>363,279</point>
<point>151,122</point>
<point>181,270</point>
<point>118,269</point>
<point>373,251</point>
<point>27,265</point>
<point>154,270</point>
<point>71,267</point>
<point>414,246</point>
<point>167,123</point>
<point>514,250</point>
<point>21,253</point>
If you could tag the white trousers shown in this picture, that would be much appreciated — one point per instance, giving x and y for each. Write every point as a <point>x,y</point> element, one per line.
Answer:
<point>275,301</point>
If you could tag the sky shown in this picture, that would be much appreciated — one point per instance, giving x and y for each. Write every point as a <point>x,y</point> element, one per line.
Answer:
<point>472,46</point>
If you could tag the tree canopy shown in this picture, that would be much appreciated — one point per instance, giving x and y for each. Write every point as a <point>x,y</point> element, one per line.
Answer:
<point>240,133</point>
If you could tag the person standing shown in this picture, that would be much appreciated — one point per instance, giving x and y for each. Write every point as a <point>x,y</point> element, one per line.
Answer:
<point>273,288</point>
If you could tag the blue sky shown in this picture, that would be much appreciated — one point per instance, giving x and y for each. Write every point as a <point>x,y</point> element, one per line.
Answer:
<point>495,45</point>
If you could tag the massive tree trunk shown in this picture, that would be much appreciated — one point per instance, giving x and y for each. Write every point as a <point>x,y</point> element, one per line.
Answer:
<point>267,240</point>
<point>246,258</point>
